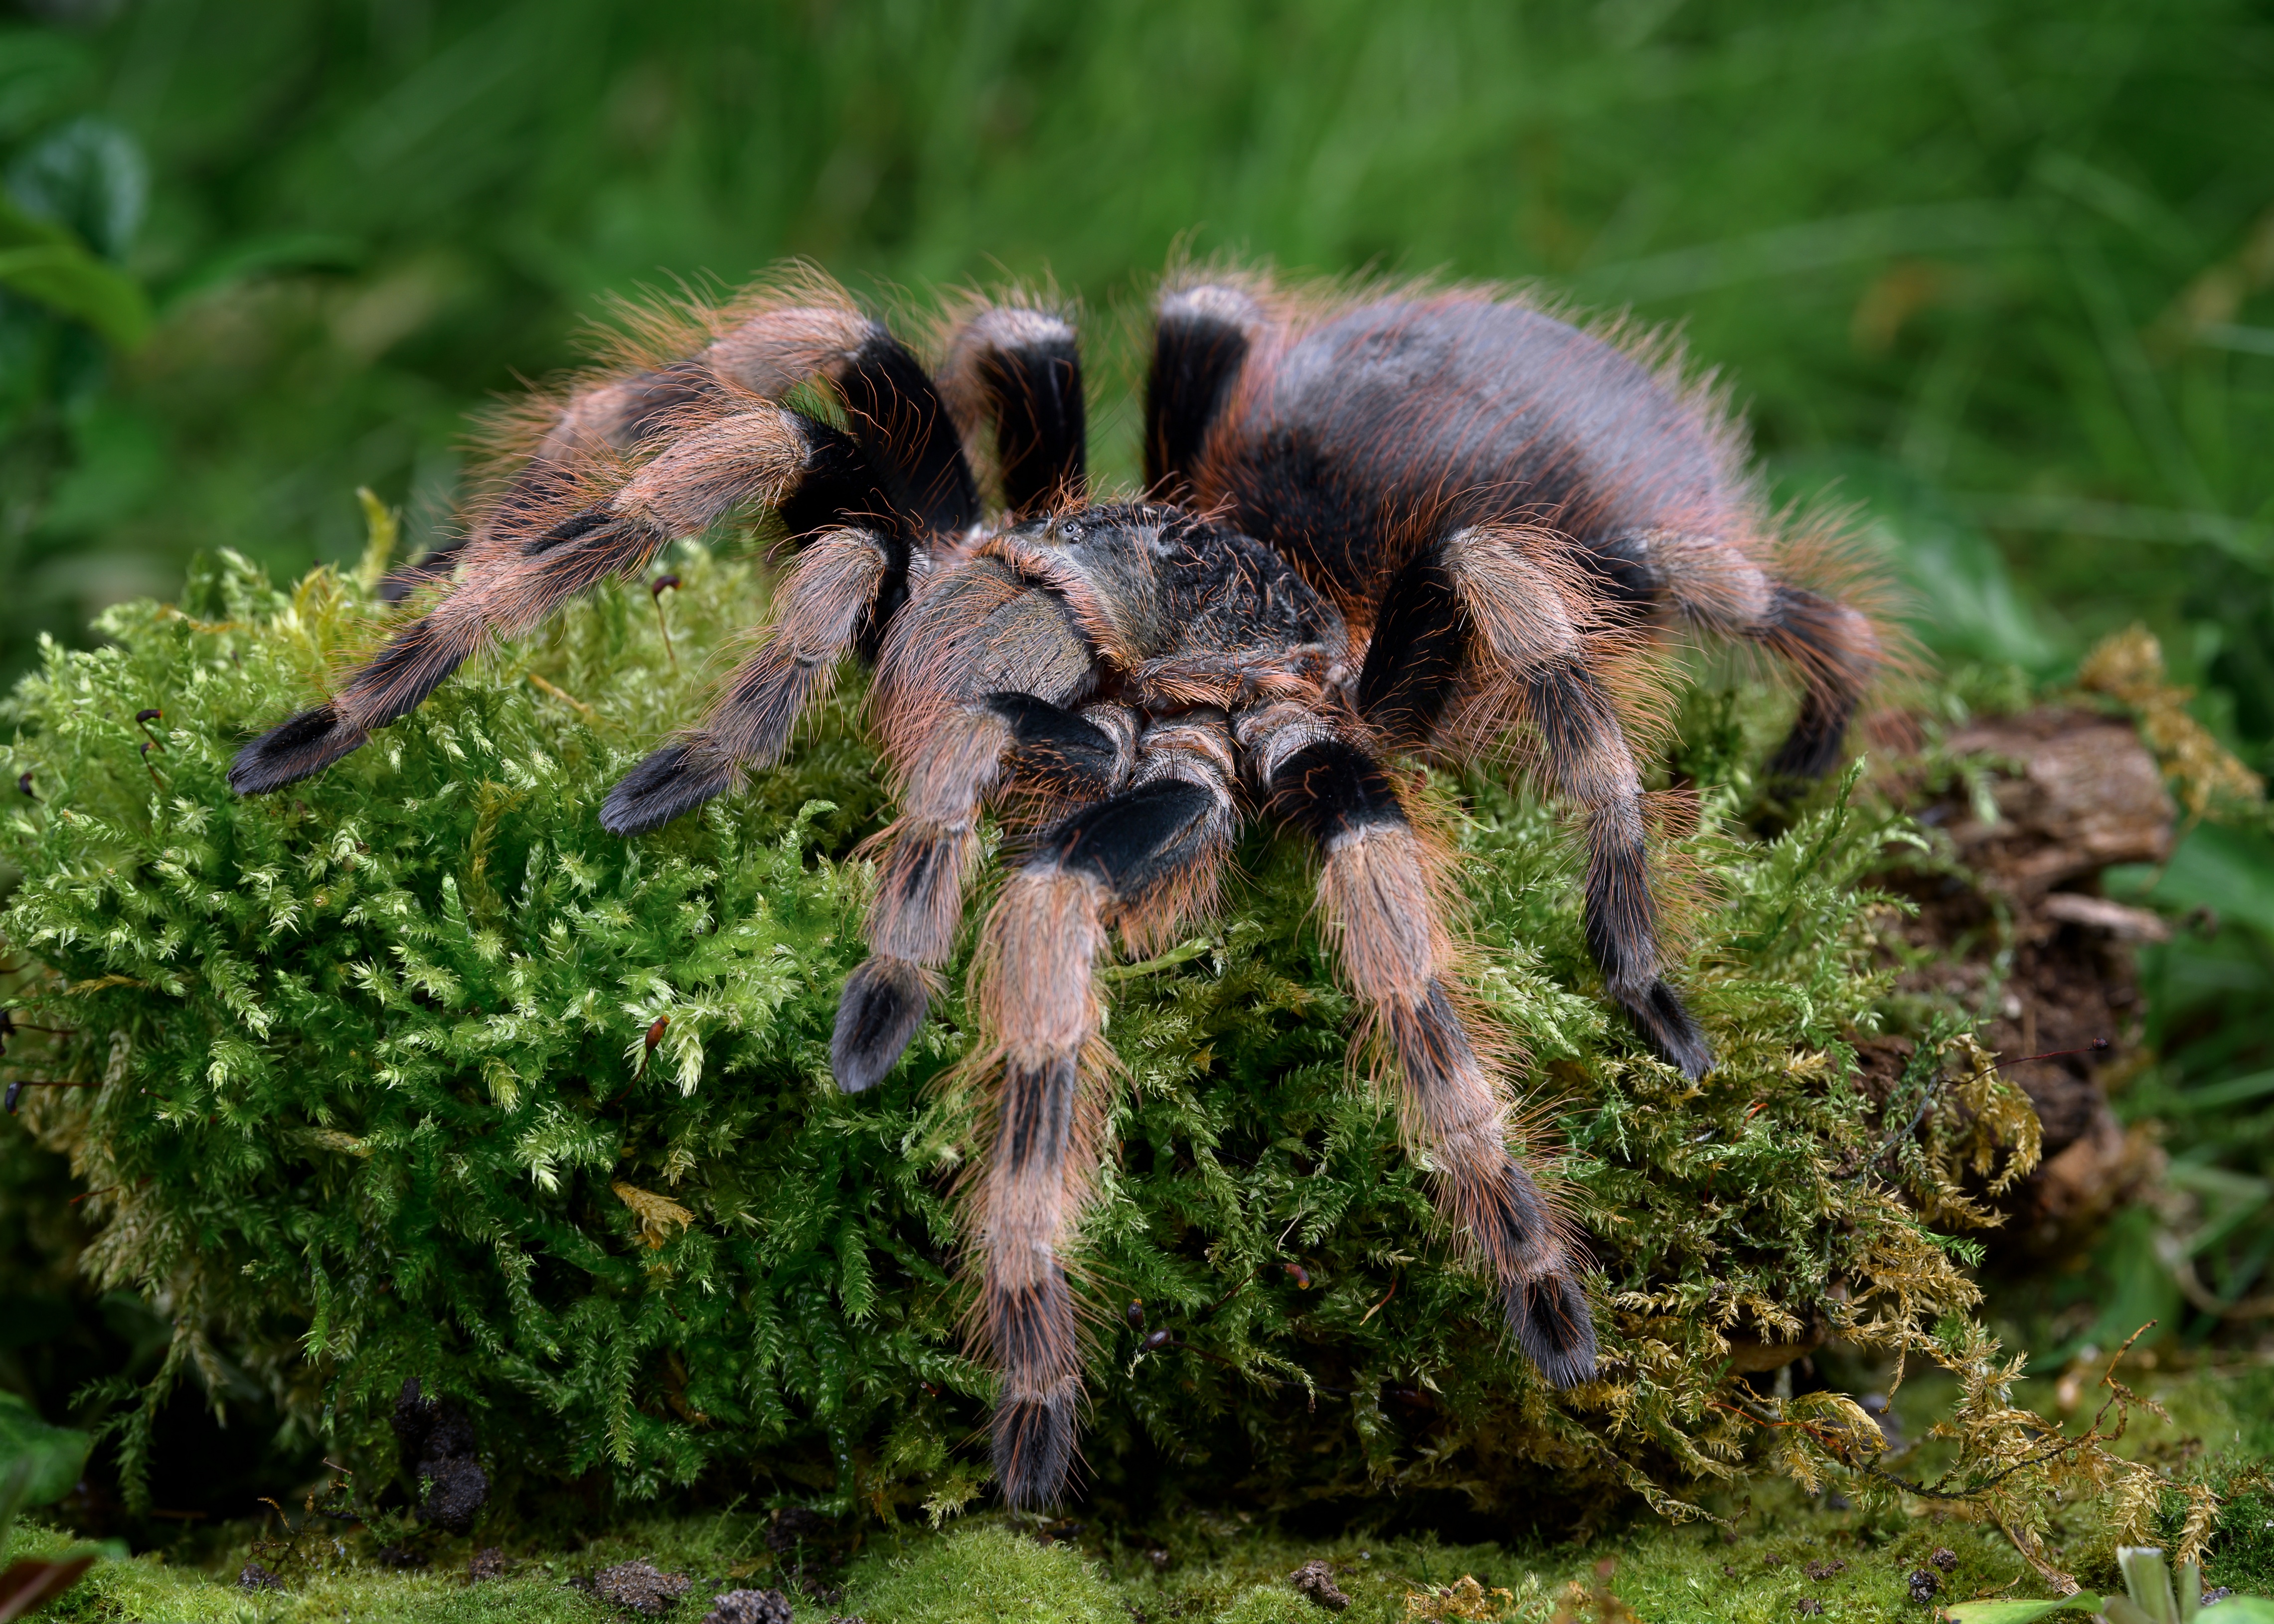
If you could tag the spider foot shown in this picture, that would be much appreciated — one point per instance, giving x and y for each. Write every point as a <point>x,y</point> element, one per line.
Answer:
<point>1549,1316</point>
<point>292,751</point>
<point>676,780</point>
<point>1671,1030</point>
<point>1034,1447</point>
<point>883,1004</point>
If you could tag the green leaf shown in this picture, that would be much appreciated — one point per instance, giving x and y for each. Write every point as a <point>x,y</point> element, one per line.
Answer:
<point>55,1455</point>
<point>45,262</point>
<point>2019,1612</point>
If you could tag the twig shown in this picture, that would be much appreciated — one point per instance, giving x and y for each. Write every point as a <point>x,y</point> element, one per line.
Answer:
<point>542,686</point>
<point>1833,1443</point>
<point>15,1089</point>
<point>655,591</point>
<point>2192,1288</point>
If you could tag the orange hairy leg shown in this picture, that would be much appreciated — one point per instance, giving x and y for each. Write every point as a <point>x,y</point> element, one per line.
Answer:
<point>1382,901</point>
<point>1142,858</point>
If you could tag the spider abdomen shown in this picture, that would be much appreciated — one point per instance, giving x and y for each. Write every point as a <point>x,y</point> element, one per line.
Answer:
<point>1398,421</point>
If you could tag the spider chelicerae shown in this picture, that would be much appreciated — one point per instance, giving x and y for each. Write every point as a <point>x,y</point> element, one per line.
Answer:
<point>1375,524</point>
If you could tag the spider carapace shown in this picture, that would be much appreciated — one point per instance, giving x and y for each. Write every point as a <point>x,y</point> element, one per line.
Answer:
<point>1375,524</point>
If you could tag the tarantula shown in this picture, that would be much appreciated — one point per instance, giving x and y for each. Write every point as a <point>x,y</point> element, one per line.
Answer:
<point>1373,523</point>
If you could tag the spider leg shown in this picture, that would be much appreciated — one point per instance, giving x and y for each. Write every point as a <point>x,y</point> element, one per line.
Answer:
<point>763,455</point>
<point>934,847</point>
<point>1379,894</point>
<point>1021,369</point>
<point>610,416</point>
<point>891,406</point>
<point>826,605</point>
<point>1712,584</point>
<point>1488,603</point>
<point>1836,651</point>
<point>841,595</point>
<point>1148,849</point>
<point>1203,337</point>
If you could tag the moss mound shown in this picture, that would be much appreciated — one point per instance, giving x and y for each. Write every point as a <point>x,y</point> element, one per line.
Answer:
<point>986,1573</point>
<point>413,1071</point>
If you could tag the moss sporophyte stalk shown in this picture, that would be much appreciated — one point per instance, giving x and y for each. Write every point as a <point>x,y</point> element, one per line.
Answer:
<point>415,1071</point>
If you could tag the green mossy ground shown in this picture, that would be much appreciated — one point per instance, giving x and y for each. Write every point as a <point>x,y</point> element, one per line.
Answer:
<point>366,1092</point>
<point>1220,1567</point>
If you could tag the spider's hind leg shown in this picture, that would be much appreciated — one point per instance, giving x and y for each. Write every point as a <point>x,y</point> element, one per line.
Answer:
<point>1488,610</point>
<point>1154,847</point>
<point>1381,898</point>
<point>1714,584</point>
<point>1836,650</point>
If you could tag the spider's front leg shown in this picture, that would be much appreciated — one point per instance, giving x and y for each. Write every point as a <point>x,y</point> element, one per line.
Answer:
<point>933,847</point>
<point>1380,896</point>
<point>830,601</point>
<point>1020,368</point>
<point>1489,610</point>
<point>764,344</point>
<point>1155,847</point>
<point>719,444</point>
<point>763,456</point>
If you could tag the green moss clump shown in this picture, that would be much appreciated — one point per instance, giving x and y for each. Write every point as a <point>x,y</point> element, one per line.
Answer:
<point>413,1071</point>
<point>985,1573</point>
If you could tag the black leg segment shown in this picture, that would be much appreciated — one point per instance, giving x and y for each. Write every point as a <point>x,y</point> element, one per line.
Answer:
<point>294,750</point>
<point>1057,748</point>
<point>883,1004</point>
<point>1197,355</point>
<point>897,414</point>
<point>1332,788</point>
<point>1832,646</point>
<point>1413,662</point>
<point>1137,838</point>
<point>1032,376</point>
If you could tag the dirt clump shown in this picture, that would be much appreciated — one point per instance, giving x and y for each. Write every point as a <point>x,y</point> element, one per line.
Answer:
<point>1316,1581</point>
<point>642,1587</point>
<point>750,1607</point>
<point>434,1439</point>
<point>2047,801</point>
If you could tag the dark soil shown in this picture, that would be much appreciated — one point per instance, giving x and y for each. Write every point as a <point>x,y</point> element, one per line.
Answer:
<point>2074,792</point>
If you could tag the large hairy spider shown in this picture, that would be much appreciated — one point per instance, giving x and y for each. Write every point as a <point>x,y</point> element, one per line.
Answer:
<point>1373,523</point>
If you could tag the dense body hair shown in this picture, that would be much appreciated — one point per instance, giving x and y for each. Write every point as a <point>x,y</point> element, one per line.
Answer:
<point>1406,419</point>
<point>1377,521</point>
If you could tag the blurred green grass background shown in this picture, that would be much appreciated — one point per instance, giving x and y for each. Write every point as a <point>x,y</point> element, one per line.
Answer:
<point>2001,272</point>
<point>1998,269</point>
